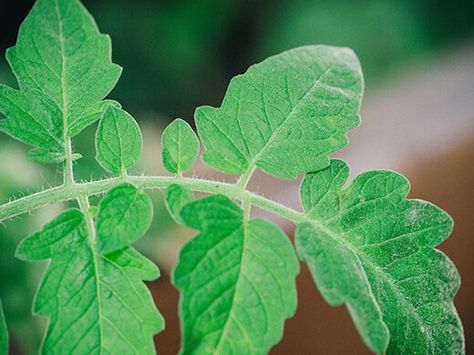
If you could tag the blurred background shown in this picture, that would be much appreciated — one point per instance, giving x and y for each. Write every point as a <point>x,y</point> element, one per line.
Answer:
<point>418,118</point>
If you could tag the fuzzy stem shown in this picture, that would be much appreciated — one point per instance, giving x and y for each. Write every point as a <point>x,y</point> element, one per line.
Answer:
<point>71,192</point>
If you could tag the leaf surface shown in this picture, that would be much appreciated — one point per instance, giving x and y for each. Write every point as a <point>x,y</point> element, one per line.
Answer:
<point>118,141</point>
<point>125,214</point>
<point>237,279</point>
<point>63,67</point>
<point>285,114</point>
<point>176,198</point>
<point>371,248</point>
<point>180,147</point>
<point>96,303</point>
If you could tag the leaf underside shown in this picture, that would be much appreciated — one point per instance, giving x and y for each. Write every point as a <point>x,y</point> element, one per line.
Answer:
<point>63,67</point>
<point>125,214</point>
<point>371,248</point>
<point>176,198</point>
<point>118,141</point>
<point>180,147</point>
<point>237,281</point>
<point>294,107</point>
<point>97,303</point>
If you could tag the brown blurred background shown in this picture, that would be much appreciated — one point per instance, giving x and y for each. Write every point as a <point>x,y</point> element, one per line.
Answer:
<point>418,118</point>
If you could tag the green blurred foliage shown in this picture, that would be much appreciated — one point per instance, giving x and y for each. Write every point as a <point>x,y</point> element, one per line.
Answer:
<point>18,280</point>
<point>386,34</point>
<point>166,48</point>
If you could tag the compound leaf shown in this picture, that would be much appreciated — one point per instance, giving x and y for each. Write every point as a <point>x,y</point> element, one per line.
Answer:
<point>176,198</point>
<point>63,67</point>
<point>3,332</point>
<point>180,147</point>
<point>118,140</point>
<point>286,114</point>
<point>371,248</point>
<point>237,281</point>
<point>125,214</point>
<point>96,304</point>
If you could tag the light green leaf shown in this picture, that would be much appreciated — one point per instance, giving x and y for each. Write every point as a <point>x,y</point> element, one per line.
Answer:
<point>237,281</point>
<point>118,141</point>
<point>125,214</point>
<point>34,119</point>
<point>96,304</point>
<point>63,67</point>
<point>176,198</point>
<point>44,244</point>
<point>180,147</point>
<point>371,248</point>
<point>285,114</point>
<point>3,332</point>
<point>93,114</point>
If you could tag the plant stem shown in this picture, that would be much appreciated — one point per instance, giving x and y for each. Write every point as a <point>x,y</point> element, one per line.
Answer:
<point>84,205</point>
<point>68,170</point>
<point>245,178</point>
<point>70,192</point>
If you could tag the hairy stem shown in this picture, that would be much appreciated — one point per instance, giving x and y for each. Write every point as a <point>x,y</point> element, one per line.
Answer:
<point>71,192</point>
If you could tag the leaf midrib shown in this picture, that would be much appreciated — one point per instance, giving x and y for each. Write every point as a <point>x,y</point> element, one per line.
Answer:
<point>223,335</point>
<point>365,260</point>
<point>275,133</point>
<point>64,108</point>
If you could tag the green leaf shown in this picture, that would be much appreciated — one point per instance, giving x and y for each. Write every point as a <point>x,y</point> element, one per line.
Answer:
<point>3,332</point>
<point>371,248</point>
<point>180,147</point>
<point>176,198</point>
<point>44,244</point>
<point>286,114</point>
<point>118,141</point>
<point>63,67</point>
<point>34,119</point>
<point>125,214</point>
<point>237,281</point>
<point>96,304</point>
<point>93,114</point>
